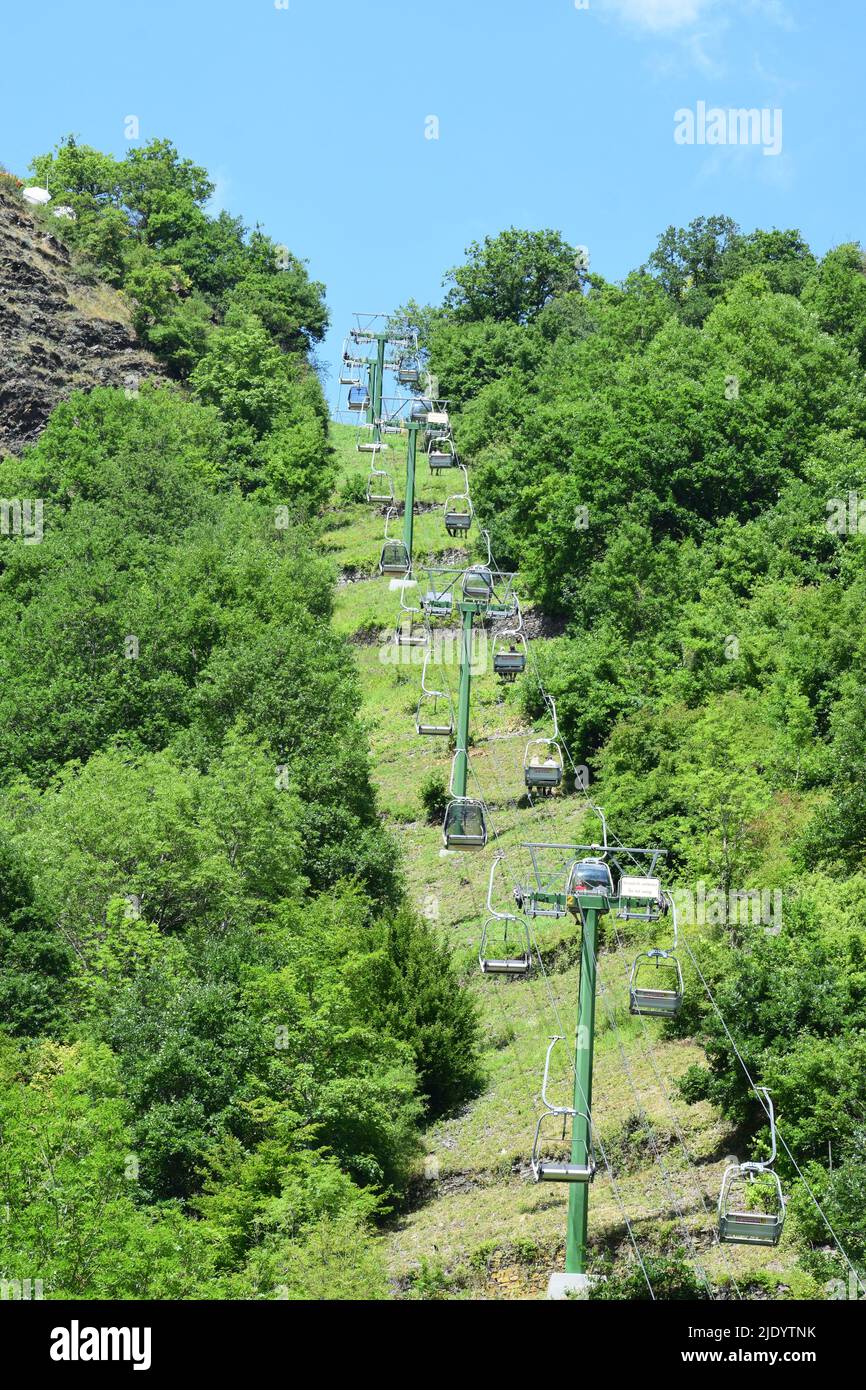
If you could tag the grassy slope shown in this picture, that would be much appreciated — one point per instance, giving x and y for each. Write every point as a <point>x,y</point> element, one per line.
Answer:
<point>480,1227</point>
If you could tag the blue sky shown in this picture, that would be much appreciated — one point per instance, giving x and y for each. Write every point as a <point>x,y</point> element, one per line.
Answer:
<point>312,119</point>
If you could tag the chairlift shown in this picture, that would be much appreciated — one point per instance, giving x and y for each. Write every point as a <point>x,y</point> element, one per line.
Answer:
<point>505,947</point>
<point>543,762</point>
<point>588,877</point>
<point>408,373</point>
<point>348,380</point>
<point>395,557</point>
<point>510,652</point>
<point>411,629</point>
<point>435,714</point>
<point>458,514</point>
<point>380,488</point>
<point>509,661</point>
<point>442,454</point>
<point>563,1169</point>
<point>664,997</point>
<point>420,411</point>
<point>543,767</point>
<point>652,999</point>
<point>465,824</point>
<point>438,603</point>
<point>478,584</point>
<point>739,1224</point>
<point>359,398</point>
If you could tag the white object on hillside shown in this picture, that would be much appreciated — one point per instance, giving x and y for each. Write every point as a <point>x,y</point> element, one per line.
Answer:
<point>65,211</point>
<point>36,195</point>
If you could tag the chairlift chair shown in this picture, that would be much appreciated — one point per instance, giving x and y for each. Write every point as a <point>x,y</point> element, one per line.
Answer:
<point>478,584</point>
<point>506,948</point>
<point>651,999</point>
<point>559,1170</point>
<point>435,714</point>
<point>429,717</point>
<point>543,767</point>
<point>739,1224</point>
<point>408,374</point>
<point>416,634</point>
<point>420,411</point>
<point>509,655</point>
<point>370,446</point>
<point>359,398</point>
<point>458,514</point>
<point>442,454</point>
<point>664,997</point>
<point>394,558</point>
<point>502,610</point>
<point>438,603</point>
<point>465,824</point>
<point>380,488</point>
<point>588,876</point>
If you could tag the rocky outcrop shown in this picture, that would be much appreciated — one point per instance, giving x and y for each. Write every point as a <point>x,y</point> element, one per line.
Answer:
<point>59,331</point>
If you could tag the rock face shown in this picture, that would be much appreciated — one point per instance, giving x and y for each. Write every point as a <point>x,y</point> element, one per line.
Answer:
<point>58,331</point>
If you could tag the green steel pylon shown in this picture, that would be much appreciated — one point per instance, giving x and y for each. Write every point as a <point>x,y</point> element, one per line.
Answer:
<point>581,1135</point>
<point>409,513</point>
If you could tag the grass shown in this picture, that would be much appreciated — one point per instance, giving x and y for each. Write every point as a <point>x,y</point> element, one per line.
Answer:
<point>479,1227</point>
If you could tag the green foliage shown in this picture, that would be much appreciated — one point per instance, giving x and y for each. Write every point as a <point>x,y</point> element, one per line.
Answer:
<point>837,294</point>
<point>434,797</point>
<point>676,466</point>
<point>220,1024</point>
<point>511,277</point>
<point>671,1277</point>
<point>141,222</point>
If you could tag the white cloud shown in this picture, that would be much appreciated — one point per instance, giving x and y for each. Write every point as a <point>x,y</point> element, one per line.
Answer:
<point>660,16</point>
<point>667,16</point>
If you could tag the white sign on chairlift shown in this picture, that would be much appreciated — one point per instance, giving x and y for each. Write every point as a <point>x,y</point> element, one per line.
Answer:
<point>36,195</point>
<point>639,888</point>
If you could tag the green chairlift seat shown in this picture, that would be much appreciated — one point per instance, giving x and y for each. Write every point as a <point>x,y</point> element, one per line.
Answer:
<point>380,488</point>
<point>442,454</point>
<point>505,947</point>
<point>543,767</point>
<point>738,1223</point>
<point>509,655</point>
<point>478,584</point>
<point>394,558</point>
<point>465,824</point>
<point>563,1169</point>
<point>655,1000</point>
<point>458,514</point>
